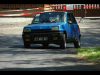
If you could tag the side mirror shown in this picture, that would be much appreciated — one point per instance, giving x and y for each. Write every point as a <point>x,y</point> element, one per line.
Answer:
<point>70,22</point>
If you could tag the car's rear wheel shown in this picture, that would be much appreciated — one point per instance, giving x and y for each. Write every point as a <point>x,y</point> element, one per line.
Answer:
<point>26,45</point>
<point>63,42</point>
<point>77,43</point>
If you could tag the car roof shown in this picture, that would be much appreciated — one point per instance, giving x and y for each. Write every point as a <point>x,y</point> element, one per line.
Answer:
<point>55,11</point>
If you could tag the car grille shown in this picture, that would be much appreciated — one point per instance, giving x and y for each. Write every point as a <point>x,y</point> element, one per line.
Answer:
<point>41,30</point>
<point>35,35</point>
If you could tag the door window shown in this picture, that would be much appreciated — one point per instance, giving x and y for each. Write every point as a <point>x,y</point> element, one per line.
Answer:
<point>73,19</point>
<point>68,18</point>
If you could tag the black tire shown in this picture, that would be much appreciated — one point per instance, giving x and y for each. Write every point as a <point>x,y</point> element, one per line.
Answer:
<point>77,43</point>
<point>63,42</point>
<point>26,45</point>
<point>45,45</point>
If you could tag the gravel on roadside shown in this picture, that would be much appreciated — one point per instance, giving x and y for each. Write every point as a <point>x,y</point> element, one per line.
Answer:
<point>8,22</point>
<point>14,22</point>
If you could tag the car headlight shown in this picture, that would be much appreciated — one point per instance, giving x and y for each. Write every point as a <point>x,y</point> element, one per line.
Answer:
<point>27,30</point>
<point>55,28</point>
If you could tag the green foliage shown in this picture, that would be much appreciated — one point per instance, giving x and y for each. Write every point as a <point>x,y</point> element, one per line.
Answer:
<point>90,53</point>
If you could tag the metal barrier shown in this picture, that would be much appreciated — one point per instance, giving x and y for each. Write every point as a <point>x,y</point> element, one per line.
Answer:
<point>16,6</point>
<point>79,10</point>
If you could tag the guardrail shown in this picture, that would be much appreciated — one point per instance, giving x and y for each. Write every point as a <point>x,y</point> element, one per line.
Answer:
<point>77,11</point>
<point>16,6</point>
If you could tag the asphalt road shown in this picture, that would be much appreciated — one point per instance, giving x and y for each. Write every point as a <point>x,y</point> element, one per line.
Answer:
<point>14,57</point>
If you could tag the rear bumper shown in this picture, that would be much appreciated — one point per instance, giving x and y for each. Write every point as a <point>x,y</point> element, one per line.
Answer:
<point>50,36</point>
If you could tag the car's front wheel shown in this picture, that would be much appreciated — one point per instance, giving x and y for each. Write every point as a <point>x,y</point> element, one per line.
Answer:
<point>63,42</point>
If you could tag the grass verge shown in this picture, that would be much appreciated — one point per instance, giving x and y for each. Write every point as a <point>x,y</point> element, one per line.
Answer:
<point>90,53</point>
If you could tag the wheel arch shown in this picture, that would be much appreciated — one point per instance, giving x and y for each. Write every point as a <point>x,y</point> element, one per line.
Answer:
<point>65,33</point>
<point>79,35</point>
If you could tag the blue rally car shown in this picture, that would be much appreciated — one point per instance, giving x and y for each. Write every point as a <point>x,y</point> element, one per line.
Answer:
<point>57,27</point>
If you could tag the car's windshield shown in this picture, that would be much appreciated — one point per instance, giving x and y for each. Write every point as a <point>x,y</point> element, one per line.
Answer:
<point>48,17</point>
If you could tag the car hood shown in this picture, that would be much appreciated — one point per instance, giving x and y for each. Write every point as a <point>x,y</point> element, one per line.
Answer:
<point>44,25</point>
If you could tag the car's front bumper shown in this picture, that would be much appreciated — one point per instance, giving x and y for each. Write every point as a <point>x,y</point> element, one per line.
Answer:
<point>53,37</point>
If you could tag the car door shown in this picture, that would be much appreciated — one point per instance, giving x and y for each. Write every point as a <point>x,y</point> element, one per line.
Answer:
<point>75,25</point>
<point>71,25</point>
<point>67,27</point>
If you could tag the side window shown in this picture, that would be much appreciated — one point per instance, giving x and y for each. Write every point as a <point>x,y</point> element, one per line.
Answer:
<point>68,18</point>
<point>36,20</point>
<point>73,19</point>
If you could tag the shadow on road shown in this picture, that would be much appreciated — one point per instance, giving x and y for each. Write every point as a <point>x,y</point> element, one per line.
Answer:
<point>37,50</point>
<point>38,58</point>
<point>60,68</point>
<point>90,37</point>
<point>39,46</point>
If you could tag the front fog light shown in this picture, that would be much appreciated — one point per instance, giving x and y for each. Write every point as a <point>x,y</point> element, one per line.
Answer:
<point>55,38</point>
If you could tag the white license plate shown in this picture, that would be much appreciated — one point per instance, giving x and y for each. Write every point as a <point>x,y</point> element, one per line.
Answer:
<point>45,38</point>
<point>40,38</point>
